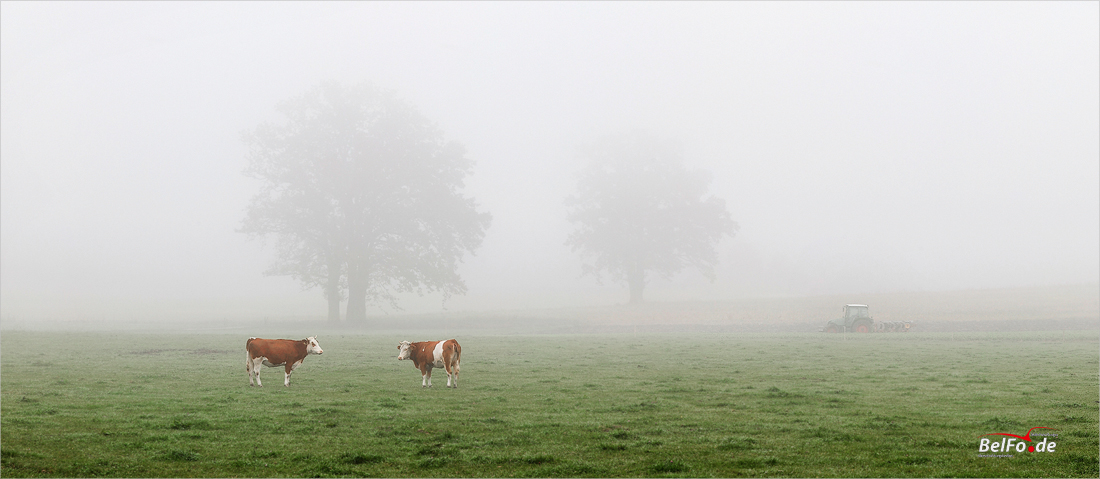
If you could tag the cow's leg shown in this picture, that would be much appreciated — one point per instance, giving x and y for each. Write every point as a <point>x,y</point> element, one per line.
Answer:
<point>256,365</point>
<point>450,372</point>
<point>290,367</point>
<point>428,375</point>
<point>248,368</point>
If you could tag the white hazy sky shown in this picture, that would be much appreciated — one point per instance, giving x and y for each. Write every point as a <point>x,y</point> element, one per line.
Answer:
<point>862,147</point>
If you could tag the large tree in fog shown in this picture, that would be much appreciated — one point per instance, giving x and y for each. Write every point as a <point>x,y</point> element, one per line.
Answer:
<point>638,211</point>
<point>363,195</point>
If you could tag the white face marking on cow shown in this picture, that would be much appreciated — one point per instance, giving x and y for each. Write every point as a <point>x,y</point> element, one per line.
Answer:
<point>312,347</point>
<point>403,350</point>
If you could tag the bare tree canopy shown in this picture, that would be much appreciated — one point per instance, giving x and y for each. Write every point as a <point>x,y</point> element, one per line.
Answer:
<point>637,210</point>
<point>364,197</point>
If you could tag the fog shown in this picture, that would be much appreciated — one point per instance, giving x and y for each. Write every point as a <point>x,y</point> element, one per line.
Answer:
<point>861,147</point>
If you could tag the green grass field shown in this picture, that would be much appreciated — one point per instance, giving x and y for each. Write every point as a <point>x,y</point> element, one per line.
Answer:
<point>145,405</point>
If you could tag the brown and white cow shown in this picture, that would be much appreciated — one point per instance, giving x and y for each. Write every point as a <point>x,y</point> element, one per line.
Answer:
<point>277,352</point>
<point>426,355</point>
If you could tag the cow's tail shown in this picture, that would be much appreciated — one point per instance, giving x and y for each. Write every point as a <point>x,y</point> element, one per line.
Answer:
<point>248,356</point>
<point>458,355</point>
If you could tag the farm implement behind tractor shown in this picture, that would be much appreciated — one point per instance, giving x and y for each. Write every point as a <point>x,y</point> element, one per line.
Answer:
<point>856,319</point>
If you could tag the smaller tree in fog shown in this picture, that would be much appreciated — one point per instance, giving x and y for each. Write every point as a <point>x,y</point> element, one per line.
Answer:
<point>638,212</point>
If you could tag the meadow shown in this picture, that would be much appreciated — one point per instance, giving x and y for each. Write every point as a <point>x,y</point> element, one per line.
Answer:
<point>673,405</point>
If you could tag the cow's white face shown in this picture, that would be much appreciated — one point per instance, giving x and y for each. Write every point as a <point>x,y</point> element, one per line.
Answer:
<point>312,347</point>
<point>403,350</point>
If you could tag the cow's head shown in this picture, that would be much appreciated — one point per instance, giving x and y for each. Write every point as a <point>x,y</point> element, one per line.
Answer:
<point>403,350</point>
<point>312,347</point>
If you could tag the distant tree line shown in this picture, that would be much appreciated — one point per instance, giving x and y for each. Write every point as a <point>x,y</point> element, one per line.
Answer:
<point>363,196</point>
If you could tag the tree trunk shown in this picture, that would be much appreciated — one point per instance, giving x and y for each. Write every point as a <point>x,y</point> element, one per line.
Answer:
<point>636,279</point>
<point>332,292</point>
<point>334,310</point>
<point>357,292</point>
